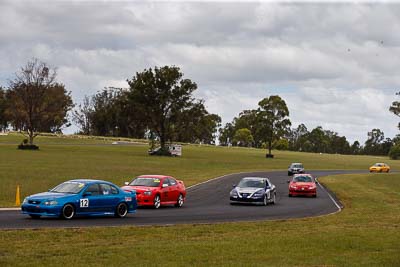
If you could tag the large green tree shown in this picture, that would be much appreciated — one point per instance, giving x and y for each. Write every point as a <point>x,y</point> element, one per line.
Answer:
<point>226,134</point>
<point>36,101</point>
<point>355,148</point>
<point>105,112</point>
<point>196,125</point>
<point>376,143</point>
<point>160,95</point>
<point>243,137</point>
<point>110,112</point>
<point>297,137</point>
<point>273,115</point>
<point>82,116</point>
<point>249,119</point>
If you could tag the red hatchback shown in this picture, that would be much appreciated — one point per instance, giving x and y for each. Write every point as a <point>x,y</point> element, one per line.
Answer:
<point>302,185</point>
<point>157,190</point>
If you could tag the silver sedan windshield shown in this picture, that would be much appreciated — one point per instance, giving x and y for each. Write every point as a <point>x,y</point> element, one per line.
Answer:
<point>251,183</point>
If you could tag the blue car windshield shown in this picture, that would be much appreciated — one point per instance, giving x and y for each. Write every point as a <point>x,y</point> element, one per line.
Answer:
<point>151,182</point>
<point>251,183</point>
<point>68,187</point>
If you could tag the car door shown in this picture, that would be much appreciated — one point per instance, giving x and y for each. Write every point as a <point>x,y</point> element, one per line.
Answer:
<point>174,190</point>
<point>270,188</point>
<point>91,199</point>
<point>110,197</point>
<point>165,189</point>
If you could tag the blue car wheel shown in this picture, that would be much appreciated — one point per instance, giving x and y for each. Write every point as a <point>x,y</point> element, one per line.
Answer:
<point>68,212</point>
<point>121,210</point>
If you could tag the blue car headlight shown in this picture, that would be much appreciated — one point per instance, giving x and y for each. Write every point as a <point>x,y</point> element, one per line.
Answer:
<point>50,202</point>
<point>25,201</point>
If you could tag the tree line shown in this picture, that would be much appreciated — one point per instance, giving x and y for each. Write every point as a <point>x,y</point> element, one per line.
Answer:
<point>244,130</point>
<point>159,105</point>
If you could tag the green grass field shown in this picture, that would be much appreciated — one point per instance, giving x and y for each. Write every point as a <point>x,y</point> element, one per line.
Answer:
<point>365,233</point>
<point>61,159</point>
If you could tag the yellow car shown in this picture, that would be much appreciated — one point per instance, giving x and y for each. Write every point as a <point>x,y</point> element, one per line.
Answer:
<point>379,167</point>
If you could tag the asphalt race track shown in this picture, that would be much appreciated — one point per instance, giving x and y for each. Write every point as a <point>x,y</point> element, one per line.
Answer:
<point>205,203</point>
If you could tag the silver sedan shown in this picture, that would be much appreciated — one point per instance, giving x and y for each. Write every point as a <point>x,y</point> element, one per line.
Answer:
<point>254,190</point>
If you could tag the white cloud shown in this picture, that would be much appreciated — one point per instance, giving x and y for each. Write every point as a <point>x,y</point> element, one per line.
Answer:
<point>335,64</point>
<point>349,112</point>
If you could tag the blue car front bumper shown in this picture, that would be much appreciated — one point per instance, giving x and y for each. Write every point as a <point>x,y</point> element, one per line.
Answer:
<point>41,210</point>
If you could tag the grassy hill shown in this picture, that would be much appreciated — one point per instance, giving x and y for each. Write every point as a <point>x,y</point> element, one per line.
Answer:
<point>61,159</point>
<point>365,233</point>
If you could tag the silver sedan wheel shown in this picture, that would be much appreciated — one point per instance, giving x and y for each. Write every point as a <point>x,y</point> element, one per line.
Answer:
<point>273,201</point>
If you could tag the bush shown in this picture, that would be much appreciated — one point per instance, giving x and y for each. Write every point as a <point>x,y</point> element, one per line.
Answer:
<point>281,144</point>
<point>394,152</point>
<point>25,146</point>
<point>28,147</point>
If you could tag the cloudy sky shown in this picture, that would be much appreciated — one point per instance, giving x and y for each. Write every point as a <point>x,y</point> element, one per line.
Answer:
<point>336,64</point>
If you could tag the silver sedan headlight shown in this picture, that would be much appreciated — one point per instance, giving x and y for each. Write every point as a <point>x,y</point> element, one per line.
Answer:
<point>259,193</point>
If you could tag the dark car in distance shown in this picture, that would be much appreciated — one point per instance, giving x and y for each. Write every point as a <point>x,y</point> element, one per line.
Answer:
<point>295,168</point>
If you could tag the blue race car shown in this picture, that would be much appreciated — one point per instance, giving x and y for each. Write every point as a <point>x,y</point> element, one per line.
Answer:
<point>81,197</point>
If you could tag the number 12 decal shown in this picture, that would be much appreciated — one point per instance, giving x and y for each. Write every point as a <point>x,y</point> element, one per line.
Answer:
<point>84,203</point>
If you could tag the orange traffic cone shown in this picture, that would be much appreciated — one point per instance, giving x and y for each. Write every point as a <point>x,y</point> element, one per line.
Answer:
<point>17,197</point>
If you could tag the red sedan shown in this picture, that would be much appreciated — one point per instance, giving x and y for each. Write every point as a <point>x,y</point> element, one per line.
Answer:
<point>302,185</point>
<point>157,190</point>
